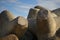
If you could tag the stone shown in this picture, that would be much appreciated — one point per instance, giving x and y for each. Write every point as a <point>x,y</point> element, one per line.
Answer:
<point>21,27</point>
<point>57,19</point>
<point>10,24</point>
<point>10,37</point>
<point>29,36</point>
<point>32,13</point>
<point>6,17</point>
<point>44,24</point>
<point>32,18</point>
<point>56,11</point>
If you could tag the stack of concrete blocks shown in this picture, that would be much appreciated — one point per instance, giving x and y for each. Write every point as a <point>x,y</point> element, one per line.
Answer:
<point>41,24</point>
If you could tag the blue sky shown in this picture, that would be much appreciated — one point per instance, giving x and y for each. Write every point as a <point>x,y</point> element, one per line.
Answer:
<point>21,7</point>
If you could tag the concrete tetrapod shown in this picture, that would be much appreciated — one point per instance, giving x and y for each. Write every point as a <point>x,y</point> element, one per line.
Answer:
<point>6,17</point>
<point>56,18</point>
<point>45,24</point>
<point>12,25</point>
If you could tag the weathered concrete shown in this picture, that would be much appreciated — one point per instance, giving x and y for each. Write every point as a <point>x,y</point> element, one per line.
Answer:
<point>29,36</point>
<point>10,24</point>
<point>32,16</point>
<point>56,11</point>
<point>10,37</point>
<point>21,26</point>
<point>44,23</point>
<point>6,17</point>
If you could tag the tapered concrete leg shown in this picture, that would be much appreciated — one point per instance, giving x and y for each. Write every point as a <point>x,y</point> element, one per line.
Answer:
<point>32,16</point>
<point>21,26</point>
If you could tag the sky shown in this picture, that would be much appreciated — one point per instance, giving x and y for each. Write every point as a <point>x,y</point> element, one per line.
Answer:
<point>21,7</point>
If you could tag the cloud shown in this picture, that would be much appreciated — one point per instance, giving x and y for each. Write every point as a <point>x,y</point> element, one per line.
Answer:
<point>50,4</point>
<point>54,0</point>
<point>51,0</point>
<point>8,1</point>
<point>16,3</point>
<point>2,8</point>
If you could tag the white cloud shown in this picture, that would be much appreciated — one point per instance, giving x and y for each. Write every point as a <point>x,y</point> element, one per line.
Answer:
<point>8,1</point>
<point>16,3</point>
<point>50,4</point>
<point>54,0</point>
<point>51,0</point>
